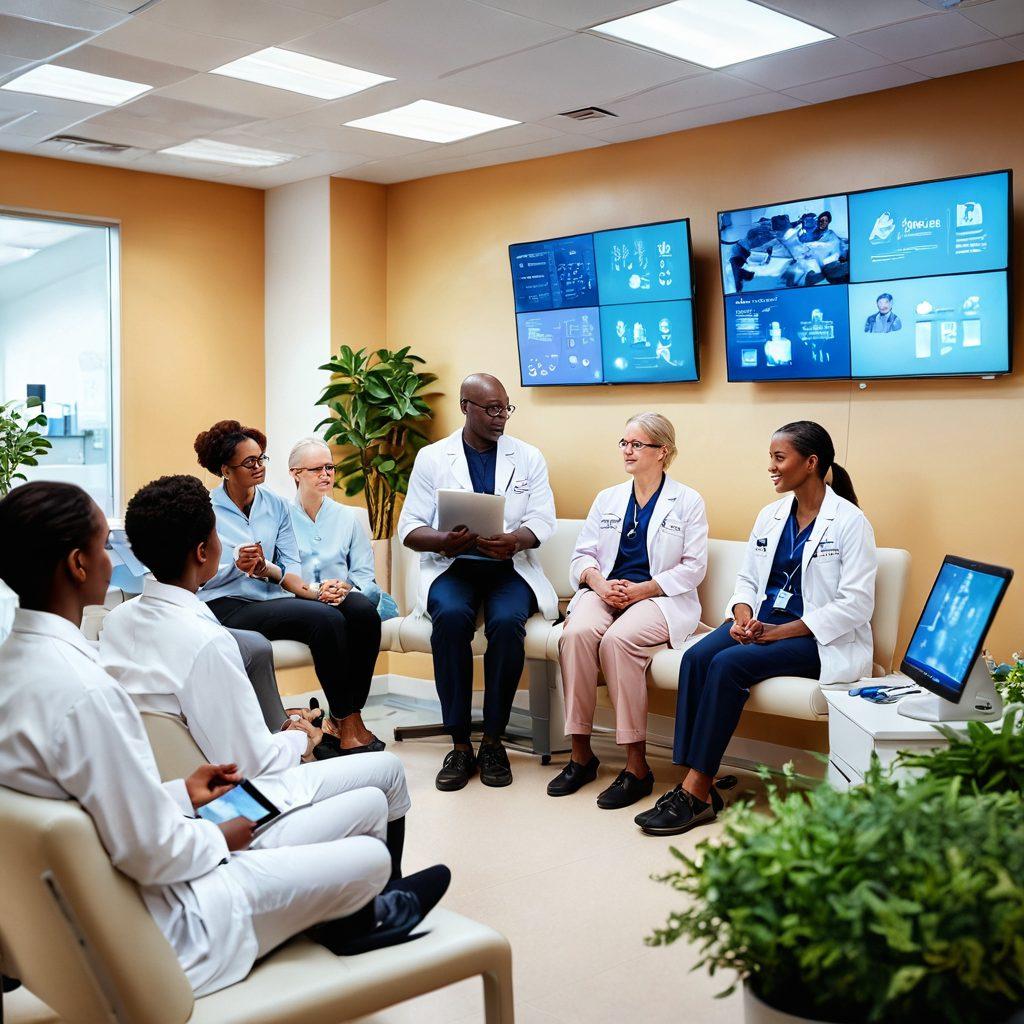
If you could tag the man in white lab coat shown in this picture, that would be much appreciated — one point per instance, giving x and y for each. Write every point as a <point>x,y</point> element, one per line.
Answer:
<point>461,572</point>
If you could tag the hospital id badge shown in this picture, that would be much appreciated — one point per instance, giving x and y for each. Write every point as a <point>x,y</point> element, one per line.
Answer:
<point>782,598</point>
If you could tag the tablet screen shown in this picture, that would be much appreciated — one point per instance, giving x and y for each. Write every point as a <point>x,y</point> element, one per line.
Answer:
<point>244,801</point>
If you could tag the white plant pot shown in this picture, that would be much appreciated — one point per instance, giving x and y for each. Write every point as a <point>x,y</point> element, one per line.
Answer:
<point>757,1012</point>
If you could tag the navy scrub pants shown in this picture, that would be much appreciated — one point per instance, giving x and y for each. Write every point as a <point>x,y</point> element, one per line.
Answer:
<point>453,603</point>
<point>714,683</point>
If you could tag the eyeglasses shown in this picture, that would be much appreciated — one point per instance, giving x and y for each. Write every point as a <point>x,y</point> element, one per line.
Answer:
<point>252,462</point>
<point>637,446</point>
<point>327,467</point>
<point>494,410</point>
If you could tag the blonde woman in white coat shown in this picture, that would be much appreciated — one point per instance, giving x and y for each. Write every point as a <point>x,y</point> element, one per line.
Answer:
<point>802,607</point>
<point>638,562</point>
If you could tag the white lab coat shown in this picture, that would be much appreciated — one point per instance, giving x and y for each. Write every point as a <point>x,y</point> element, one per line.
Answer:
<point>837,581</point>
<point>521,476</point>
<point>169,652</point>
<point>677,549</point>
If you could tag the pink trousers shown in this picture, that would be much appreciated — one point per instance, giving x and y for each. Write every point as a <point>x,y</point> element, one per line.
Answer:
<point>621,645</point>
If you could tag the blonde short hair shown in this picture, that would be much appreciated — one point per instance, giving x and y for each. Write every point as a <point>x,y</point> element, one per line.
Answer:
<point>659,429</point>
<point>299,449</point>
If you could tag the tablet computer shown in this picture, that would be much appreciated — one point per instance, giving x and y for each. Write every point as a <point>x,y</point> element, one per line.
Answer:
<point>244,801</point>
<point>482,514</point>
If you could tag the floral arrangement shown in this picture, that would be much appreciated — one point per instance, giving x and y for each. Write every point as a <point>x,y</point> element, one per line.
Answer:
<point>1009,679</point>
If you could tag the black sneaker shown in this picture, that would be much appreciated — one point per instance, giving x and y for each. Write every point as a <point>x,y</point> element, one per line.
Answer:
<point>683,812</point>
<point>494,767</point>
<point>726,782</point>
<point>573,777</point>
<point>458,768</point>
<point>626,790</point>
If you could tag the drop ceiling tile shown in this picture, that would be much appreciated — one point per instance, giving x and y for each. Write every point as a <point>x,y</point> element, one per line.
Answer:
<point>35,40</point>
<point>331,8</point>
<point>154,41</point>
<point>699,91</point>
<point>1017,42</point>
<point>98,61</point>
<point>256,101</point>
<point>68,13</point>
<point>571,13</point>
<point>890,76</point>
<point>68,110</point>
<point>845,16</point>
<point>36,125</point>
<point>127,6</point>
<point>403,38</point>
<point>503,138</point>
<point>529,151</point>
<point>160,114</point>
<point>256,21</point>
<point>9,64</point>
<point>580,71</point>
<point>967,58</point>
<point>315,165</point>
<point>159,163</point>
<point>1003,17</point>
<point>923,36</point>
<point>827,59</point>
<point>135,137</point>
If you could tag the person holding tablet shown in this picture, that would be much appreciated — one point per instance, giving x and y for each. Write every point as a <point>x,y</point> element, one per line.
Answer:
<point>640,557</point>
<point>167,649</point>
<point>802,607</point>
<point>68,731</point>
<point>259,582</point>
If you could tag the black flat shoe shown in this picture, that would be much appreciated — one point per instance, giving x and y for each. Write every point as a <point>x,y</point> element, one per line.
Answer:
<point>573,777</point>
<point>375,746</point>
<point>678,815</point>
<point>725,782</point>
<point>494,767</point>
<point>458,768</point>
<point>626,790</point>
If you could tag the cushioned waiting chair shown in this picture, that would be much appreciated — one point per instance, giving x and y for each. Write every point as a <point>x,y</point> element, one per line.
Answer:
<point>76,932</point>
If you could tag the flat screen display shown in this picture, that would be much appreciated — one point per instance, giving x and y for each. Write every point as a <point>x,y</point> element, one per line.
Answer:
<point>612,307</point>
<point>922,270</point>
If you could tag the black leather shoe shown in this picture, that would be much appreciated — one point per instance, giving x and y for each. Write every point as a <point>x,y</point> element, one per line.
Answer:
<point>494,767</point>
<point>679,815</point>
<point>458,768</point>
<point>626,790</point>
<point>726,782</point>
<point>573,777</point>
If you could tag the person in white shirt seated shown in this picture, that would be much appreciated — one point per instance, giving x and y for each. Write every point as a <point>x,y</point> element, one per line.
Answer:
<point>167,649</point>
<point>68,731</point>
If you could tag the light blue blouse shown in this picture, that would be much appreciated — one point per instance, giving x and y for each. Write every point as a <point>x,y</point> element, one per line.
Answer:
<point>268,522</point>
<point>334,547</point>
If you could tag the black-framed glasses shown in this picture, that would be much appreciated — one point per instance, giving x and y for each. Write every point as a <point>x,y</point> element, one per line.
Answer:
<point>327,467</point>
<point>637,446</point>
<point>494,410</point>
<point>252,462</point>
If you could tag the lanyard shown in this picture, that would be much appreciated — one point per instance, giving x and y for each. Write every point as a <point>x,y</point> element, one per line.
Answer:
<point>794,543</point>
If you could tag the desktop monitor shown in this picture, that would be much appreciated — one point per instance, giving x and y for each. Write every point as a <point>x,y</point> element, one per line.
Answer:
<point>942,656</point>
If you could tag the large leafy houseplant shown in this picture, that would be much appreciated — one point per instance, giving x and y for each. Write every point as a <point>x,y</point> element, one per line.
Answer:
<point>379,409</point>
<point>20,443</point>
<point>894,902</point>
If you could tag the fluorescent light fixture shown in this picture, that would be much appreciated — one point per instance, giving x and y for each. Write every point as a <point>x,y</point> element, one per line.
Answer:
<point>432,122</point>
<point>14,253</point>
<point>714,34</point>
<point>298,72</point>
<point>227,153</point>
<point>71,84</point>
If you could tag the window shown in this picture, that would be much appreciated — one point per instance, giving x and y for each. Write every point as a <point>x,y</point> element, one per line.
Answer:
<point>58,341</point>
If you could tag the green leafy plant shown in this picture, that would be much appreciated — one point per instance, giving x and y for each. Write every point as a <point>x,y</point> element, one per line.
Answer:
<point>889,902</point>
<point>379,411</point>
<point>20,443</point>
<point>1009,679</point>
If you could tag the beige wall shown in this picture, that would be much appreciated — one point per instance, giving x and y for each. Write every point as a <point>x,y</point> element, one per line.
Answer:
<point>938,465</point>
<point>191,298</point>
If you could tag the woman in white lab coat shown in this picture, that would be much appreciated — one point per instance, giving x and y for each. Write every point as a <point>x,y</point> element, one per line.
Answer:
<point>802,607</point>
<point>639,559</point>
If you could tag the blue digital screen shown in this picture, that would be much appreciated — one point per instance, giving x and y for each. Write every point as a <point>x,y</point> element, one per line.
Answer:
<point>930,326</point>
<point>788,335</point>
<point>554,274</point>
<point>953,624</point>
<point>560,346</point>
<point>789,245</point>
<point>939,227</point>
<point>645,342</point>
<point>235,803</point>
<point>650,263</point>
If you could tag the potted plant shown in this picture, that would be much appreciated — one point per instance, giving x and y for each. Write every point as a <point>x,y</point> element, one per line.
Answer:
<point>893,901</point>
<point>379,412</point>
<point>20,443</point>
<point>1009,679</point>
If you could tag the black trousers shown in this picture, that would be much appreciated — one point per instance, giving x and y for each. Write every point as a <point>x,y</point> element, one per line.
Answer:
<point>344,640</point>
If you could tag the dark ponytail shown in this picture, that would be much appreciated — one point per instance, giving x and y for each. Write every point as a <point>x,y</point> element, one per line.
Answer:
<point>810,438</point>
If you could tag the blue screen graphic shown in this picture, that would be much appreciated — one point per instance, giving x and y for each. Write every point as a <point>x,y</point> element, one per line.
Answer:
<point>643,342</point>
<point>560,346</point>
<point>650,263</point>
<point>952,624</point>
<point>554,274</point>
<point>788,335</point>
<point>940,227</point>
<point>236,803</point>
<point>930,326</point>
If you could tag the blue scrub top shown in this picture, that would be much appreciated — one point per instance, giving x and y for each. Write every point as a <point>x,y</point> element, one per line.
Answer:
<point>787,573</point>
<point>269,521</point>
<point>334,547</point>
<point>482,466</point>
<point>632,562</point>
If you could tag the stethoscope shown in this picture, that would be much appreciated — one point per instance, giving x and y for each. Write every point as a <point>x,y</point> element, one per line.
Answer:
<point>794,542</point>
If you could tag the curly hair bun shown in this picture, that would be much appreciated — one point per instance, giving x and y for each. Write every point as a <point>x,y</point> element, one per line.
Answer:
<point>216,446</point>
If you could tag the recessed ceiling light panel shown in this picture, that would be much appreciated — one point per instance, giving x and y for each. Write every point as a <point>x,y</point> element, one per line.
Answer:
<point>71,84</point>
<point>298,72</point>
<point>714,33</point>
<point>432,122</point>
<point>217,152</point>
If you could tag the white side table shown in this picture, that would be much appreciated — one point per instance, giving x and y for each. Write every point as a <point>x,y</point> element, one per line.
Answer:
<point>857,728</point>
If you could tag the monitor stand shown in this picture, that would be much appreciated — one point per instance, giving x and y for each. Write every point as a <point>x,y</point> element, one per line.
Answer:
<point>978,702</point>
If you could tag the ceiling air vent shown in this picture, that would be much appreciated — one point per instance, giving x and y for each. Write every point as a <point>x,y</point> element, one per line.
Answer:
<point>83,145</point>
<point>587,114</point>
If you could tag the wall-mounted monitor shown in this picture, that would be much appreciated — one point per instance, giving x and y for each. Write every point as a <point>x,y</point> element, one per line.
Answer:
<point>907,281</point>
<point>611,307</point>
